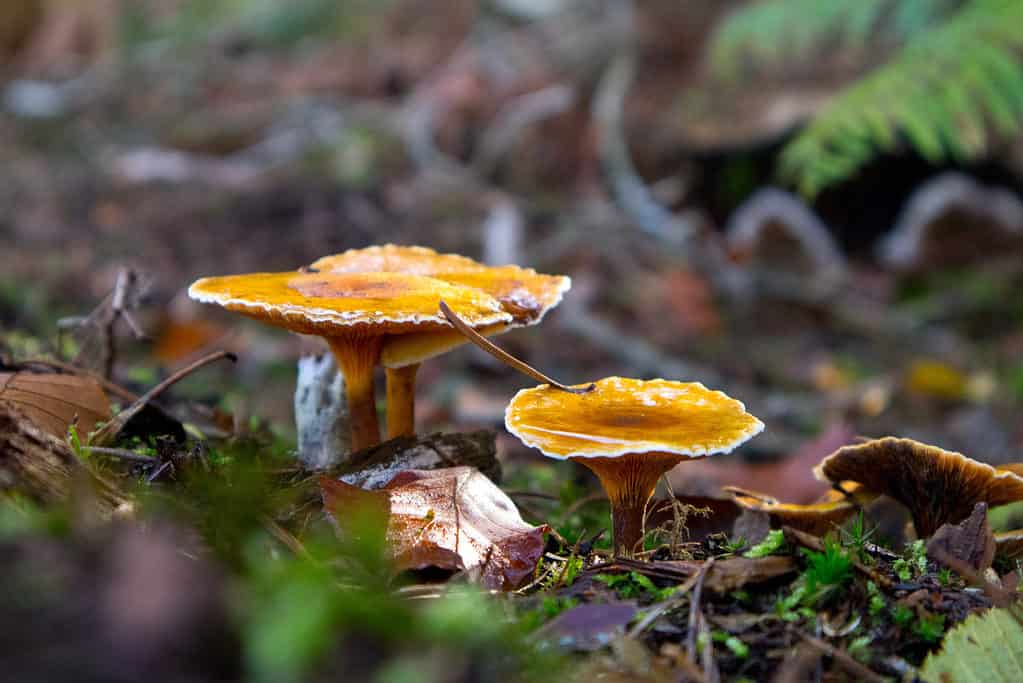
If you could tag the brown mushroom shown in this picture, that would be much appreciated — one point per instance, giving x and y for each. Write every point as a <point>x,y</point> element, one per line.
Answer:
<point>522,292</point>
<point>1009,544</point>
<point>356,313</point>
<point>629,432</point>
<point>936,486</point>
<point>816,518</point>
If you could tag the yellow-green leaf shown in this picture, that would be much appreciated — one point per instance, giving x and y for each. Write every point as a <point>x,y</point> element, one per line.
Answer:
<point>985,647</point>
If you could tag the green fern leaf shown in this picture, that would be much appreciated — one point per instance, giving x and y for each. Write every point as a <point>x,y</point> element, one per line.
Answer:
<point>948,94</point>
<point>776,34</point>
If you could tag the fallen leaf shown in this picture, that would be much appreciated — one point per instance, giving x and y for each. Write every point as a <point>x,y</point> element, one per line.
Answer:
<point>453,518</point>
<point>984,647</point>
<point>53,401</point>
<point>970,541</point>
<point>588,627</point>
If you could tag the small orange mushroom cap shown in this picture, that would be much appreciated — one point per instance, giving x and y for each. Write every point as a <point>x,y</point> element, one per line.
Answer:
<point>343,304</point>
<point>624,416</point>
<point>629,432</point>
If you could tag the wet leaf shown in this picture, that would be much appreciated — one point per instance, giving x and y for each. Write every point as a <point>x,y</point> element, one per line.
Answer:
<point>53,401</point>
<point>453,518</point>
<point>985,647</point>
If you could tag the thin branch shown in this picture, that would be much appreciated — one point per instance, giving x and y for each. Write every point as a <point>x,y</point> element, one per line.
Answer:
<point>694,610</point>
<point>505,357</point>
<point>109,432</point>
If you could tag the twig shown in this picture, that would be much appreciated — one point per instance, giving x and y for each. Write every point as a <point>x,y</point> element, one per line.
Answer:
<point>841,657</point>
<point>122,453</point>
<point>109,432</point>
<point>710,668</point>
<point>676,600</point>
<point>286,537</point>
<point>694,610</point>
<point>116,306</point>
<point>505,357</point>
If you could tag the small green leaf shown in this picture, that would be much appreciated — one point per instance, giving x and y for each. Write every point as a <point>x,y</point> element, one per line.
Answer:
<point>771,544</point>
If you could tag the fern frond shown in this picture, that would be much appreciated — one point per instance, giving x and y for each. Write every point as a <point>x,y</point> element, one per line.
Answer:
<point>950,94</point>
<point>775,34</point>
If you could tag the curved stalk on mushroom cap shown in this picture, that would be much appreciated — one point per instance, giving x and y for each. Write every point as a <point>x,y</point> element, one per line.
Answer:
<point>505,357</point>
<point>522,292</point>
<point>629,432</point>
<point>355,313</point>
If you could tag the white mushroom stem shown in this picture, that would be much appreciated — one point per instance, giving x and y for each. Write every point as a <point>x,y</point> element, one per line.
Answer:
<point>401,398</point>
<point>357,357</point>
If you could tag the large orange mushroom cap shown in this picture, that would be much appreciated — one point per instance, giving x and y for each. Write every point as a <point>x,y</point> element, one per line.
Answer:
<point>336,304</point>
<point>629,432</point>
<point>937,486</point>
<point>355,313</point>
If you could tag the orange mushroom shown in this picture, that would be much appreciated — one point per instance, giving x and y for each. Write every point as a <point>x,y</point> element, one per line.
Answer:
<point>629,432</point>
<point>522,292</point>
<point>936,486</point>
<point>356,313</point>
<point>816,518</point>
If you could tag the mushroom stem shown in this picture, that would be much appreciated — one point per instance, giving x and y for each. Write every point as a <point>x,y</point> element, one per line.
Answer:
<point>627,528</point>
<point>357,358</point>
<point>629,482</point>
<point>401,397</point>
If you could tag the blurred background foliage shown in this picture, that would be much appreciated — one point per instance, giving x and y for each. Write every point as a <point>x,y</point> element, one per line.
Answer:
<point>627,144</point>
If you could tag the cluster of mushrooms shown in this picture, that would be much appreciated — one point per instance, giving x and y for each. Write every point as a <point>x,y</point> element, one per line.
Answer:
<point>382,306</point>
<point>397,306</point>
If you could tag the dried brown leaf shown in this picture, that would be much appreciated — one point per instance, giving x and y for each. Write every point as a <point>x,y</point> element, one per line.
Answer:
<point>53,401</point>
<point>453,518</point>
<point>970,541</point>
